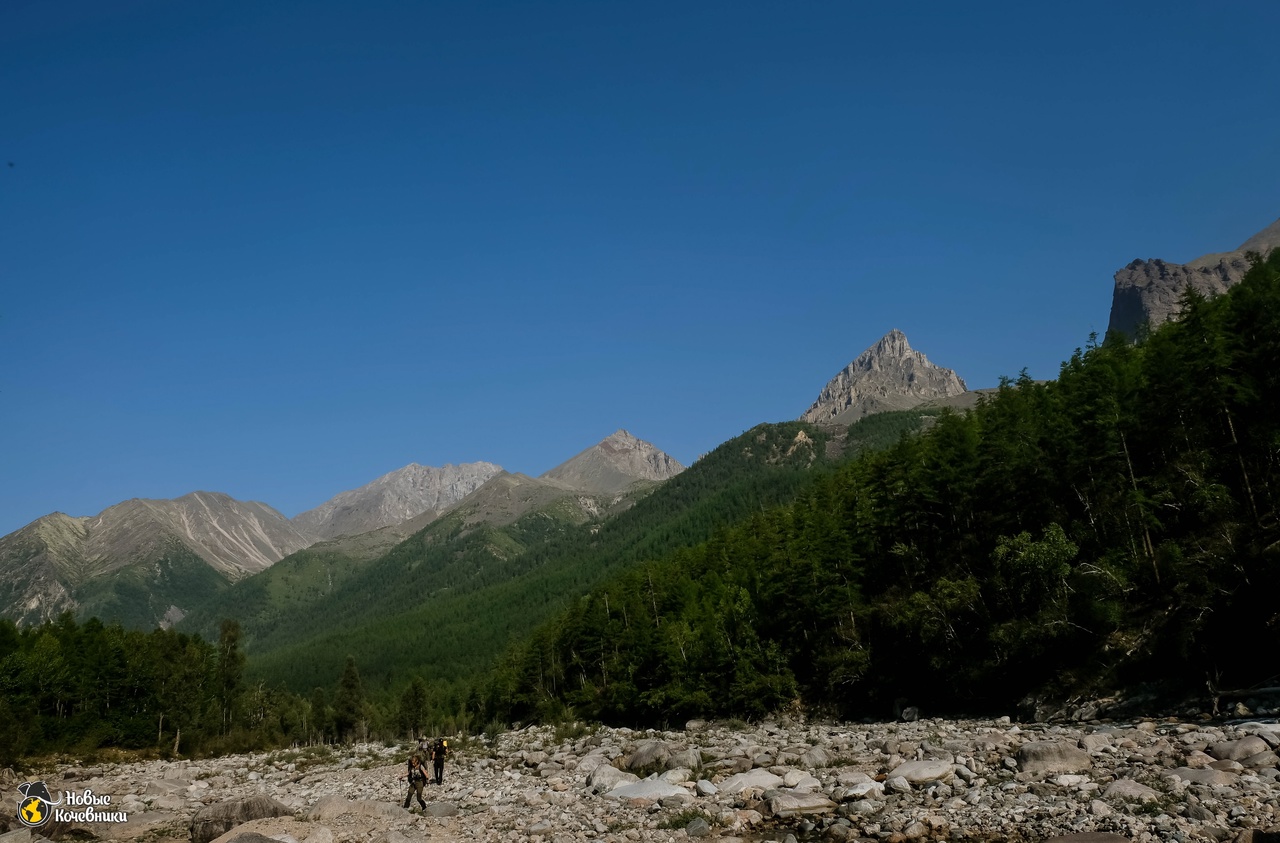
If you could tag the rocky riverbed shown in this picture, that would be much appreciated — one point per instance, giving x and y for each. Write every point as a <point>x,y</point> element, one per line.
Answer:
<point>988,780</point>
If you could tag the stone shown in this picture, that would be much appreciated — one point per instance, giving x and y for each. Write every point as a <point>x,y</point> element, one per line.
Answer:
<point>815,758</point>
<point>651,789</point>
<point>1239,749</point>
<point>441,809</point>
<point>606,778</point>
<point>698,827</point>
<point>648,754</point>
<point>1263,759</point>
<point>758,778</point>
<point>1207,776</point>
<point>689,758</point>
<point>1088,837</point>
<point>1129,789</point>
<point>897,784</point>
<point>786,805</point>
<point>215,820</point>
<point>1095,743</point>
<point>252,837</point>
<point>1257,835</point>
<point>1043,757</point>
<point>391,836</point>
<point>677,775</point>
<point>917,772</point>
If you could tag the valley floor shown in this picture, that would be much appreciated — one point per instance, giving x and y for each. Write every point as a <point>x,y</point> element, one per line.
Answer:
<point>925,780</point>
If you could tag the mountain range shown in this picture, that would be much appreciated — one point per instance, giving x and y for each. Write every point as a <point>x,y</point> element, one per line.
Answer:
<point>140,559</point>
<point>148,562</point>
<point>152,561</point>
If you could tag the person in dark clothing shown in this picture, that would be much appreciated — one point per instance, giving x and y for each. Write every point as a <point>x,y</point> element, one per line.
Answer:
<point>417,776</point>
<point>438,753</point>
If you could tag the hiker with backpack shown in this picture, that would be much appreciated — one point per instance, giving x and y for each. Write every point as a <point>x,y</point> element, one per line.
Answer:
<point>417,776</point>
<point>438,753</point>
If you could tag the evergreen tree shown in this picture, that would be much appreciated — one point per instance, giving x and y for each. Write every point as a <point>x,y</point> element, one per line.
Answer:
<point>413,707</point>
<point>349,704</point>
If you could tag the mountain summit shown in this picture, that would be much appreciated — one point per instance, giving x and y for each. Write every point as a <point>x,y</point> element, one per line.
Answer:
<point>614,464</point>
<point>1147,292</point>
<point>395,498</point>
<point>140,561</point>
<point>890,375</point>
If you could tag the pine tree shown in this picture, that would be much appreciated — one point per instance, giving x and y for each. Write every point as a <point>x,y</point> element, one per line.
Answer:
<point>349,703</point>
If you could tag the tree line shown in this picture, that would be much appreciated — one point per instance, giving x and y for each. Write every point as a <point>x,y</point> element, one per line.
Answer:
<point>1115,526</point>
<point>71,687</point>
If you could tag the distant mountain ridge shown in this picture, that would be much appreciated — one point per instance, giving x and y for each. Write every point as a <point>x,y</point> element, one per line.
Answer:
<point>1147,292</point>
<point>890,375</point>
<point>46,567</point>
<point>394,498</point>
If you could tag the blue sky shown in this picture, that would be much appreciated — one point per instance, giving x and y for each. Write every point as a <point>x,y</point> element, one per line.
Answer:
<point>279,249</point>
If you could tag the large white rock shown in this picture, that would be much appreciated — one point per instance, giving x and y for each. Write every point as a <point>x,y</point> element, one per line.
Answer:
<point>796,804</point>
<point>651,789</point>
<point>758,777</point>
<point>924,771</point>
<point>605,778</point>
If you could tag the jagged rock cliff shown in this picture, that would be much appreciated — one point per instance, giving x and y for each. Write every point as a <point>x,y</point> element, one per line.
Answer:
<point>1147,292</point>
<point>889,375</point>
<point>395,498</point>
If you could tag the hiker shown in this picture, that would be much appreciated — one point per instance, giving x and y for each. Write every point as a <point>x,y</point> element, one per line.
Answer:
<point>417,776</point>
<point>424,746</point>
<point>438,754</point>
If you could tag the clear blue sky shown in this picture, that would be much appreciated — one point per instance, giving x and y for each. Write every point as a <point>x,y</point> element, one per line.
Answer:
<point>279,249</point>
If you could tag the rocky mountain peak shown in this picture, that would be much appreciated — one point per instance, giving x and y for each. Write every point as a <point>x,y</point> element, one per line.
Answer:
<point>890,375</point>
<point>1148,292</point>
<point>395,498</point>
<point>613,464</point>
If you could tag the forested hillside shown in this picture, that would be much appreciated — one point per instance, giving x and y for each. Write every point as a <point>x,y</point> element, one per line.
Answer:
<point>450,599</point>
<point>1116,526</point>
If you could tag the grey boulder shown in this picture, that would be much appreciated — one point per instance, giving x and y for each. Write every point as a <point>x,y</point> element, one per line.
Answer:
<point>1040,757</point>
<point>213,821</point>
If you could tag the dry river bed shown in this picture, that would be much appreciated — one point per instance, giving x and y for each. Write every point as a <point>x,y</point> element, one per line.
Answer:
<point>990,780</point>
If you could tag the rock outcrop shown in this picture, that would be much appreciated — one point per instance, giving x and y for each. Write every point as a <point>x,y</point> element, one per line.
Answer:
<point>615,464</point>
<point>889,375</point>
<point>1148,292</point>
<point>928,780</point>
<point>394,498</point>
